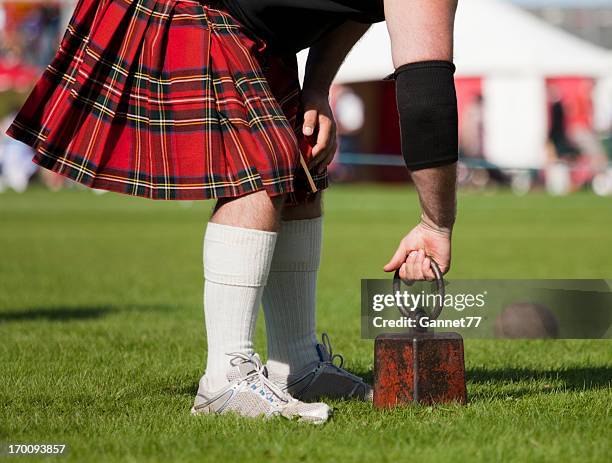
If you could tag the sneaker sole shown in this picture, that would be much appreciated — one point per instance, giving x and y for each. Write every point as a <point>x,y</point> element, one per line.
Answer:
<point>301,419</point>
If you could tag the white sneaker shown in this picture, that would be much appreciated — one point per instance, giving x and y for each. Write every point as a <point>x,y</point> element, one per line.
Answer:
<point>325,379</point>
<point>250,393</point>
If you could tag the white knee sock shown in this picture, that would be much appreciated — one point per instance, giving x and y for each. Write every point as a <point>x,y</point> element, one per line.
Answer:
<point>236,266</point>
<point>289,298</point>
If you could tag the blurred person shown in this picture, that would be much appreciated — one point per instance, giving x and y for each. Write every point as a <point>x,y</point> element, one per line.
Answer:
<point>229,121</point>
<point>472,130</point>
<point>349,113</point>
<point>14,42</point>
<point>2,29</point>
<point>16,166</point>
<point>586,139</point>
<point>575,156</point>
<point>560,150</point>
<point>30,31</point>
<point>558,137</point>
<point>472,147</point>
<point>39,32</point>
<point>50,36</point>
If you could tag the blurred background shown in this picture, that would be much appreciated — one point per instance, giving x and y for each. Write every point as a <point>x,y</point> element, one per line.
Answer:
<point>534,83</point>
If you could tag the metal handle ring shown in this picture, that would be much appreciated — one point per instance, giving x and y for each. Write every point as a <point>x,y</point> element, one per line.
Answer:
<point>397,281</point>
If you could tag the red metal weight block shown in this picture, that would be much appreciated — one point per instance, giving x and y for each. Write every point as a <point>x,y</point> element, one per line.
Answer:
<point>427,368</point>
<point>419,366</point>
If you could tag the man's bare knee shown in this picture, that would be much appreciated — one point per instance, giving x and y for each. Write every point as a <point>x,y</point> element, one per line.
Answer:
<point>257,211</point>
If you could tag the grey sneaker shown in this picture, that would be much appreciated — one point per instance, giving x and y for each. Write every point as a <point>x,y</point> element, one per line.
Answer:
<point>250,393</point>
<point>326,379</point>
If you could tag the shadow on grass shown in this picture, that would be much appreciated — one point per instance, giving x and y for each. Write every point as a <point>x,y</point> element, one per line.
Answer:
<point>542,381</point>
<point>522,382</point>
<point>366,375</point>
<point>183,387</point>
<point>66,314</point>
<point>573,377</point>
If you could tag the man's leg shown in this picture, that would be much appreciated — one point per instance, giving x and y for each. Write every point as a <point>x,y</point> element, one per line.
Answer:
<point>290,295</point>
<point>296,361</point>
<point>238,248</point>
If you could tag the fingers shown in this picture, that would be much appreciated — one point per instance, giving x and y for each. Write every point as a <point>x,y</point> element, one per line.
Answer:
<point>325,148</point>
<point>324,158</point>
<point>310,122</point>
<point>415,271</point>
<point>404,269</point>
<point>397,260</point>
<point>407,271</point>
<point>417,266</point>
<point>428,273</point>
<point>323,136</point>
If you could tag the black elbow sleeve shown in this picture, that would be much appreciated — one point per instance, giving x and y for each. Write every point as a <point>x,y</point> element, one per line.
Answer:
<point>427,106</point>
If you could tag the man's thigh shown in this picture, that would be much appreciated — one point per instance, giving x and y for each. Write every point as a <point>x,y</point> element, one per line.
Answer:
<point>256,211</point>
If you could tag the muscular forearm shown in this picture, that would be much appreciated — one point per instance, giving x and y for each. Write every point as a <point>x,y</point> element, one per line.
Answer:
<point>422,44</point>
<point>422,31</point>
<point>431,239</point>
<point>437,195</point>
<point>326,56</point>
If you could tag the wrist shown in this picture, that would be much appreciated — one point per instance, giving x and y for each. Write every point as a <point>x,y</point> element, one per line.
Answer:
<point>445,228</point>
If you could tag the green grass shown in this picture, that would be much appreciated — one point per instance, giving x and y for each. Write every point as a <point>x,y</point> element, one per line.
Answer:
<point>102,340</point>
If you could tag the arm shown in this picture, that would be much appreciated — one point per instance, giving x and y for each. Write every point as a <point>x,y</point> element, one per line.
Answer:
<point>422,30</point>
<point>324,60</point>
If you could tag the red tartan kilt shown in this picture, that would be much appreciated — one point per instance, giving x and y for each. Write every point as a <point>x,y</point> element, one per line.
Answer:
<point>167,99</point>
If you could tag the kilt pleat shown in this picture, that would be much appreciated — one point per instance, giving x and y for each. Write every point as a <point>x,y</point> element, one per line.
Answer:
<point>166,99</point>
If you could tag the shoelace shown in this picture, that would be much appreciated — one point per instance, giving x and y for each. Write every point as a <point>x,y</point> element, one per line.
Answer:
<point>258,376</point>
<point>330,357</point>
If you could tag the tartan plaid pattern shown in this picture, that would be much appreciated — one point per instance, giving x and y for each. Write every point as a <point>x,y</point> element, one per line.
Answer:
<point>167,99</point>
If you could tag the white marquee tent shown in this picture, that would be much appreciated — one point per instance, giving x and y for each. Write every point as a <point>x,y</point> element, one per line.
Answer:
<point>513,52</point>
